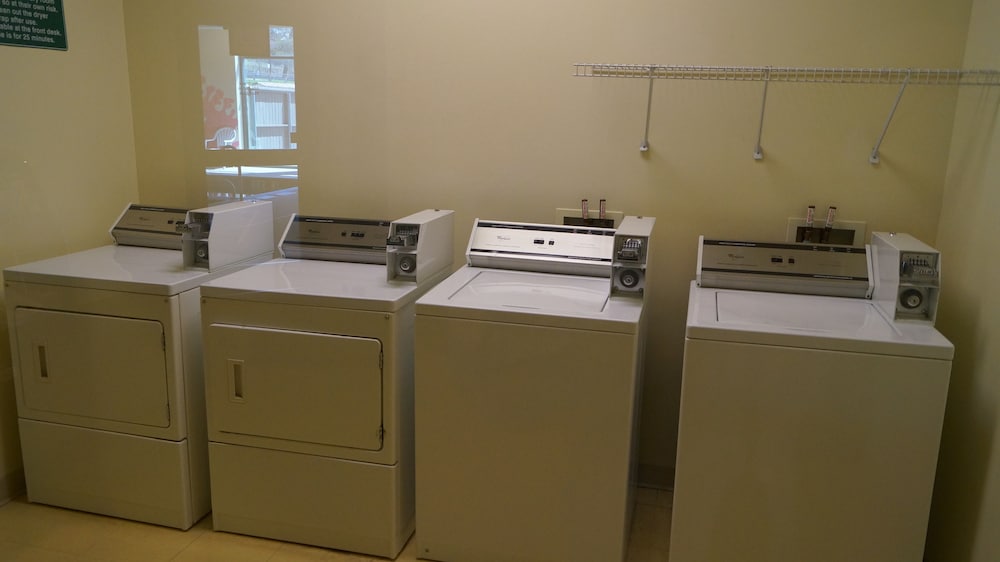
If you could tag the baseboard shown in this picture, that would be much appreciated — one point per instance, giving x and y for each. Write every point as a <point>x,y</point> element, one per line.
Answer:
<point>653,476</point>
<point>12,486</point>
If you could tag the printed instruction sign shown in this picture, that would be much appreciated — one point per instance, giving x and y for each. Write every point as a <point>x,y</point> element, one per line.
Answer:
<point>33,23</point>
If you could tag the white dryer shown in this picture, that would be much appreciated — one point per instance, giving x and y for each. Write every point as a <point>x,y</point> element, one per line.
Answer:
<point>809,423</point>
<point>528,380</point>
<point>106,347</point>
<point>309,381</point>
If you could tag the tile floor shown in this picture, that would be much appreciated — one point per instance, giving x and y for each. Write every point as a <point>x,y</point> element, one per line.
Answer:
<point>38,533</point>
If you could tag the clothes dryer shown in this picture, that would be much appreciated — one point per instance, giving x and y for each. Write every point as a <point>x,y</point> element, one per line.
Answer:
<point>309,374</point>
<point>528,380</point>
<point>106,347</point>
<point>809,423</point>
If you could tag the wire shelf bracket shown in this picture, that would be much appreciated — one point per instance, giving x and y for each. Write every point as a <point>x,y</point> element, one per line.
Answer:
<point>873,157</point>
<point>649,109</point>
<point>758,152</point>
<point>812,75</point>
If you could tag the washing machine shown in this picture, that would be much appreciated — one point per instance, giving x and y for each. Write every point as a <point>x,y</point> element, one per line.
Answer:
<point>106,348</point>
<point>309,381</point>
<point>810,413</point>
<point>528,381</point>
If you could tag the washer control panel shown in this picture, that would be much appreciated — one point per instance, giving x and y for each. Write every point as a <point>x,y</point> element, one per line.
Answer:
<point>918,266</point>
<point>909,275</point>
<point>631,256</point>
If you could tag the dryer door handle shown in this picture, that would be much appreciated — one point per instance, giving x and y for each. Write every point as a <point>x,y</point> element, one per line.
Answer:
<point>43,364</point>
<point>235,380</point>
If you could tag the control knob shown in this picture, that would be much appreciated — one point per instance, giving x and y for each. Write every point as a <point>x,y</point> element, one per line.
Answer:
<point>911,299</point>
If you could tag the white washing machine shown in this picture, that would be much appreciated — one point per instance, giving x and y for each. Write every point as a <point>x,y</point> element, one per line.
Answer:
<point>809,423</point>
<point>106,347</point>
<point>309,381</point>
<point>528,380</point>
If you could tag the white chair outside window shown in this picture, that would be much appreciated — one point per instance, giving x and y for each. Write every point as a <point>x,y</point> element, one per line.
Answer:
<point>225,138</point>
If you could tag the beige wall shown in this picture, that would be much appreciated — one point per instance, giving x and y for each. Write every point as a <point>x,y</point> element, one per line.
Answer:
<point>472,106</point>
<point>67,161</point>
<point>965,515</point>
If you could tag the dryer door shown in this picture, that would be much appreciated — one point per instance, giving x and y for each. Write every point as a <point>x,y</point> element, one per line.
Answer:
<point>86,368</point>
<point>306,387</point>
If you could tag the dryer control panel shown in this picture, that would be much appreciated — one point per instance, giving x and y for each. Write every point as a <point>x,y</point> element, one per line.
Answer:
<point>420,246</point>
<point>228,234</point>
<point>149,227</point>
<point>335,239</point>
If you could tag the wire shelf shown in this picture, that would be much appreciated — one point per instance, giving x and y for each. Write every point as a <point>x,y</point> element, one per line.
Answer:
<point>818,75</point>
<point>809,75</point>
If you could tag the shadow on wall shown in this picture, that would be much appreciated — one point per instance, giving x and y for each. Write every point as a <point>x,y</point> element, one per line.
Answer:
<point>959,513</point>
<point>968,437</point>
<point>11,472</point>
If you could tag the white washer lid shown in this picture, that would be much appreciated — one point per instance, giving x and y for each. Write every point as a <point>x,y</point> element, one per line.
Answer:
<point>544,299</point>
<point>357,286</point>
<point>535,292</point>
<point>818,322</point>
<point>118,268</point>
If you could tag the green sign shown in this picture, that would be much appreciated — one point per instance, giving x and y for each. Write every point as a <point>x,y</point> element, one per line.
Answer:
<point>33,23</point>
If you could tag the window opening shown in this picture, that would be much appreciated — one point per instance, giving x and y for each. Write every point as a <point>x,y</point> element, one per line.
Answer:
<point>248,103</point>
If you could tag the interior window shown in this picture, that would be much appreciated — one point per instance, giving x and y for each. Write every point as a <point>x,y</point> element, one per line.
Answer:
<point>248,103</point>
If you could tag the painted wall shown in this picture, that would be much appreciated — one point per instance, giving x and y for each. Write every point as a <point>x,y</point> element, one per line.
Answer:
<point>965,514</point>
<point>67,162</point>
<point>472,106</point>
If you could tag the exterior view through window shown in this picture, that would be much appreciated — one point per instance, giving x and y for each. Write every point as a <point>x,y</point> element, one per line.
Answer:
<point>248,102</point>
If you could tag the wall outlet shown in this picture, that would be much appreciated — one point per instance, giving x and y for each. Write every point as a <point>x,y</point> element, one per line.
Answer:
<point>849,233</point>
<point>562,213</point>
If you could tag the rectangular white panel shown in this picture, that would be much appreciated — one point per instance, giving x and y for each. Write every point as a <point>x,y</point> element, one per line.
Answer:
<point>790,455</point>
<point>92,367</point>
<point>524,441</point>
<point>110,473</point>
<point>333,503</point>
<point>298,386</point>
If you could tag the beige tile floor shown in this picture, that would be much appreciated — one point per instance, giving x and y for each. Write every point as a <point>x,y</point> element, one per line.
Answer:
<point>38,533</point>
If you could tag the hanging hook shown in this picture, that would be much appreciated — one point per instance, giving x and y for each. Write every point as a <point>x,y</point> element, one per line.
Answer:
<point>758,154</point>
<point>873,158</point>
<point>649,106</point>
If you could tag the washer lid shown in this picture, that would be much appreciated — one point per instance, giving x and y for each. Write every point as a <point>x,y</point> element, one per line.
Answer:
<point>359,286</point>
<point>534,292</point>
<point>117,268</point>
<point>819,322</point>
<point>820,316</point>
<point>523,297</point>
